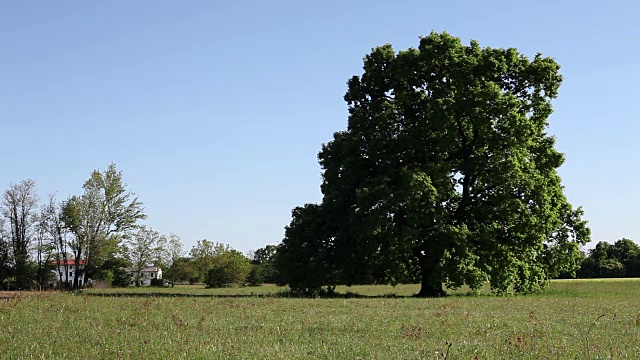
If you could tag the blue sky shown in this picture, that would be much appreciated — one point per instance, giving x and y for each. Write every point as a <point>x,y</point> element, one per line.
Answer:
<point>215,111</point>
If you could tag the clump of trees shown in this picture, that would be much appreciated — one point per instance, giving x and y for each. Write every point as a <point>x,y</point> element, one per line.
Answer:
<point>99,220</point>
<point>19,209</point>
<point>605,260</point>
<point>445,174</point>
<point>219,265</point>
<point>146,246</point>
<point>97,235</point>
<point>263,267</point>
<point>229,268</point>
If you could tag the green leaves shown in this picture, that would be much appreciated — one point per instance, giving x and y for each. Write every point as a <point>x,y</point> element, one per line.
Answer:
<point>218,264</point>
<point>228,268</point>
<point>304,258</point>
<point>100,217</point>
<point>621,259</point>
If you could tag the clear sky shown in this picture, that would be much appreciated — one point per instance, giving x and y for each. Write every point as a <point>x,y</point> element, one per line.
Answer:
<point>215,111</point>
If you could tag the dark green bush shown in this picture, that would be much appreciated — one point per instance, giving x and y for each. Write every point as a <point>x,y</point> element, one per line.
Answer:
<point>230,268</point>
<point>157,282</point>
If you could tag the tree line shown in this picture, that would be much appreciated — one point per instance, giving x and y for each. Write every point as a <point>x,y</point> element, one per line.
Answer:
<point>606,260</point>
<point>219,265</point>
<point>97,235</point>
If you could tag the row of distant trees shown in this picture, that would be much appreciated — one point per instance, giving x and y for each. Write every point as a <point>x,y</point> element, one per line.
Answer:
<point>606,260</point>
<point>218,265</point>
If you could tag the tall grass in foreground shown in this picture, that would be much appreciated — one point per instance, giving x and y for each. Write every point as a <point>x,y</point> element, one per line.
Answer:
<point>564,322</point>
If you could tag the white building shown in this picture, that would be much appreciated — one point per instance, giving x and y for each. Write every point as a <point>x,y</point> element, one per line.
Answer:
<point>67,268</point>
<point>145,275</point>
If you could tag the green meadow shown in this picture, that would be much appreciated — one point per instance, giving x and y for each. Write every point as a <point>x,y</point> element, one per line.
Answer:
<point>573,319</point>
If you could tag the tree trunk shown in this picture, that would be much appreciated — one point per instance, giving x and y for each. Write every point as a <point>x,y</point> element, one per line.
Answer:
<point>76,270</point>
<point>431,286</point>
<point>23,280</point>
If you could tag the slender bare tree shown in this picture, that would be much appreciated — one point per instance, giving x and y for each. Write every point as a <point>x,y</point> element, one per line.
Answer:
<point>51,221</point>
<point>6,262</point>
<point>44,250</point>
<point>19,203</point>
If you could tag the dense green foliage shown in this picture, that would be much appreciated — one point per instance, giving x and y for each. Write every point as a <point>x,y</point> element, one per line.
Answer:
<point>228,268</point>
<point>157,282</point>
<point>217,264</point>
<point>113,271</point>
<point>99,219</point>
<point>445,173</point>
<point>621,259</point>
<point>263,266</point>
<point>182,270</point>
<point>561,323</point>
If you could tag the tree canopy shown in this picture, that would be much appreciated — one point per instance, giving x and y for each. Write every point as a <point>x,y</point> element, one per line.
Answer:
<point>18,205</point>
<point>445,173</point>
<point>99,218</point>
<point>605,260</point>
<point>263,269</point>
<point>94,236</point>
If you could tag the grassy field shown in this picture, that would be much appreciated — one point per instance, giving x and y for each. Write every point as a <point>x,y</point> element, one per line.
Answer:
<point>574,319</point>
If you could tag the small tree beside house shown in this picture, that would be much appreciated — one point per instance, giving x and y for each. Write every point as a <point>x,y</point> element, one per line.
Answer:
<point>143,247</point>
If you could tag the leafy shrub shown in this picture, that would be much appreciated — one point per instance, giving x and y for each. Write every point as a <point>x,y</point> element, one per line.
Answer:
<point>121,278</point>
<point>157,282</point>
<point>229,268</point>
<point>256,276</point>
<point>611,268</point>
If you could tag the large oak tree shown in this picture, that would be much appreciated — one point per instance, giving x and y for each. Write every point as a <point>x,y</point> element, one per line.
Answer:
<point>445,173</point>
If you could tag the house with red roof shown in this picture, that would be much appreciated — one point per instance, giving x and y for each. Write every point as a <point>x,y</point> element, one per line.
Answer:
<point>66,271</point>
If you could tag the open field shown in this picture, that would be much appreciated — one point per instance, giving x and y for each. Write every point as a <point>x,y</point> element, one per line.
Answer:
<point>574,319</point>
